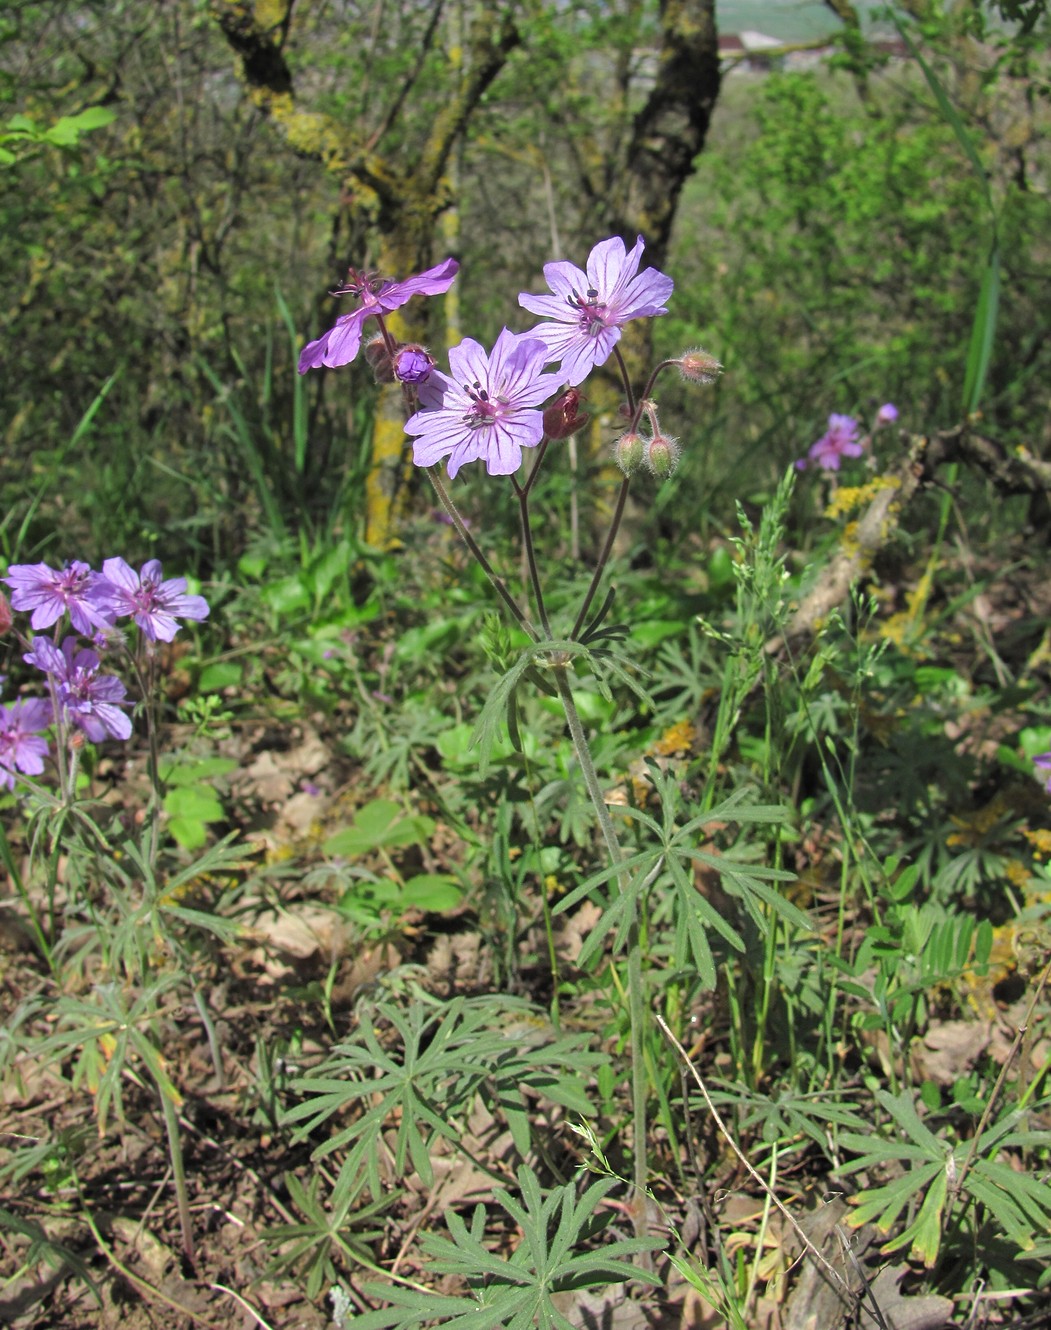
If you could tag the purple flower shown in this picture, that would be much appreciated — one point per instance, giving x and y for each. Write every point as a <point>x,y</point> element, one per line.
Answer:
<point>21,747</point>
<point>412,364</point>
<point>590,308</point>
<point>1043,762</point>
<point>89,700</point>
<point>153,603</point>
<point>886,415</point>
<point>486,409</point>
<point>838,441</point>
<point>50,594</point>
<point>377,296</point>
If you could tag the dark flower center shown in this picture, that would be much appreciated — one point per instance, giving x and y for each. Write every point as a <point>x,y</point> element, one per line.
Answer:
<point>365,285</point>
<point>485,409</point>
<point>592,313</point>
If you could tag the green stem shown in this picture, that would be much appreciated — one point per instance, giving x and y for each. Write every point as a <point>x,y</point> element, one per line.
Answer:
<point>182,1198</point>
<point>636,994</point>
<point>495,581</point>
<point>607,549</point>
<point>529,549</point>
<point>7,858</point>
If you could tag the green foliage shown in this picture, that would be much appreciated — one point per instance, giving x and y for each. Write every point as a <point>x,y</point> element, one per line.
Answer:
<point>939,1176</point>
<point>379,826</point>
<point>23,130</point>
<point>426,1077</point>
<point>518,1292</point>
<point>190,799</point>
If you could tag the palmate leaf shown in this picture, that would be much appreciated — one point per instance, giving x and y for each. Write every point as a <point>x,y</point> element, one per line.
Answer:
<point>428,1076</point>
<point>555,1255</point>
<point>1019,1203</point>
<point>668,860</point>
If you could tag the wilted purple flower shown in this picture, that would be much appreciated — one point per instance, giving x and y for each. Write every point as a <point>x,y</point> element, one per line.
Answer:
<point>89,700</point>
<point>886,415</point>
<point>839,440</point>
<point>340,344</point>
<point>153,603</point>
<point>591,307</point>
<point>487,409</point>
<point>50,594</point>
<point>1043,762</point>
<point>21,747</point>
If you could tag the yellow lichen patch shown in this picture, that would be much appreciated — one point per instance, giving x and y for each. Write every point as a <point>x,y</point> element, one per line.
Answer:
<point>1017,873</point>
<point>905,629</point>
<point>848,540</point>
<point>849,498</point>
<point>1039,839</point>
<point>677,740</point>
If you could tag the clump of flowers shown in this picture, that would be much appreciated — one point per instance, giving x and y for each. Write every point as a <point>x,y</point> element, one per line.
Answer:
<point>490,406</point>
<point>843,438</point>
<point>83,702</point>
<point>838,441</point>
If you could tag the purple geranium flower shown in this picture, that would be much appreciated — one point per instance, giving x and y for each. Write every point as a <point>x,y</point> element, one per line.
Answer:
<point>153,603</point>
<point>487,409</point>
<point>1043,762</point>
<point>590,308</point>
<point>50,594</point>
<point>839,440</point>
<point>89,700</point>
<point>21,747</point>
<point>377,296</point>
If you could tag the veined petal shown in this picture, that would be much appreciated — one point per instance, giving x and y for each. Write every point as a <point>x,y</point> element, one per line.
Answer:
<point>551,307</point>
<point>433,282</point>
<point>337,347</point>
<point>610,267</point>
<point>584,353</point>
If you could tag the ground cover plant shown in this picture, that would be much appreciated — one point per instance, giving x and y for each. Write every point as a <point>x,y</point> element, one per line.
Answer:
<point>621,895</point>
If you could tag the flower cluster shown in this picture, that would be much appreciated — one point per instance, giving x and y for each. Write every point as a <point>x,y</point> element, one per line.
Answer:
<point>488,407</point>
<point>83,698</point>
<point>841,439</point>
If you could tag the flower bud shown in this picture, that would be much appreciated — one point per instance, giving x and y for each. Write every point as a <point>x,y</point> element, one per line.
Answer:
<point>378,358</point>
<point>561,419</point>
<point>886,415</point>
<point>412,364</point>
<point>699,366</point>
<point>628,452</point>
<point>662,455</point>
<point>5,614</point>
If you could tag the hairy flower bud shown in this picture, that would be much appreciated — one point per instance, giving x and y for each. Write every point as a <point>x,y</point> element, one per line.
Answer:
<point>412,363</point>
<point>662,455</point>
<point>379,361</point>
<point>886,415</point>
<point>628,452</point>
<point>561,419</point>
<point>5,615</point>
<point>699,366</point>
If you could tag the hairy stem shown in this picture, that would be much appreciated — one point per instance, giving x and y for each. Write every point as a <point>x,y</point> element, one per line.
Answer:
<point>495,580</point>
<point>636,995</point>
